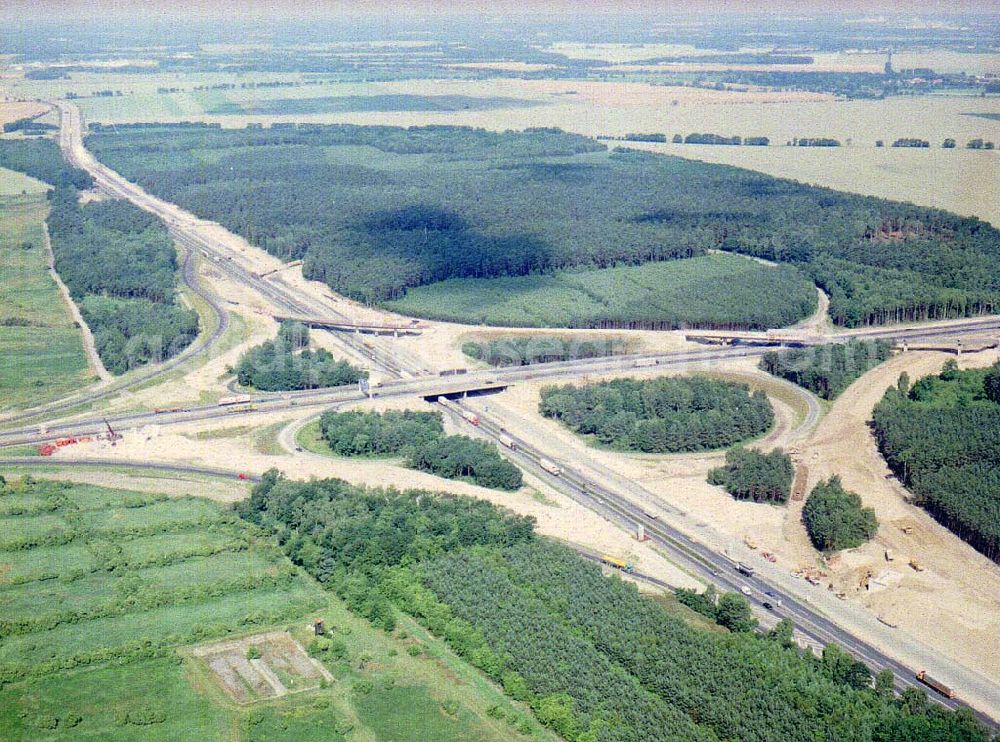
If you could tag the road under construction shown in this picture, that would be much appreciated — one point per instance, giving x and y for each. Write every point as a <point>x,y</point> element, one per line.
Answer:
<point>405,377</point>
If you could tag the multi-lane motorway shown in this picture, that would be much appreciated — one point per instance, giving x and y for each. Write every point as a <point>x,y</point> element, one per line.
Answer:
<point>407,378</point>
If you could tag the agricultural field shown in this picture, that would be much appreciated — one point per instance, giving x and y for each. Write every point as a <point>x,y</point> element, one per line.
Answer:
<point>42,349</point>
<point>118,608</point>
<point>678,293</point>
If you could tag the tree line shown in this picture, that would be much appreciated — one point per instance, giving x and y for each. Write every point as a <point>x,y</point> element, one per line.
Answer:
<point>41,159</point>
<point>287,364</point>
<point>524,350</point>
<point>419,438</point>
<point>755,476</point>
<point>594,659</point>
<point>488,205</point>
<point>826,370</point>
<point>941,438</point>
<point>665,415</point>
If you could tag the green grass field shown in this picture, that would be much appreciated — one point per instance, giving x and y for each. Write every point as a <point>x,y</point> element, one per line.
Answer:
<point>41,349</point>
<point>676,293</point>
<point>93,633</point>
<point>13,183</point>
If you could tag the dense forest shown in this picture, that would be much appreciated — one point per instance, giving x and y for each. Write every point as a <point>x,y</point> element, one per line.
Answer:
<point>286,364</point>
<point>374,211</point>
<point>942,439</point>
<point>595,660</point>
<point>120,266</point>
<point>665,415</point>
<point>419,438</point>
<point>835,518</point>
<point>41,159</point>
<point>752,475</point>
<point>523,350</point>
<point>117,261</point>
<point>826,370</point>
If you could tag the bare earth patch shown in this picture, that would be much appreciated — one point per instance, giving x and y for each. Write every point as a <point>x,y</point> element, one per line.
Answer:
<point>282,666</point>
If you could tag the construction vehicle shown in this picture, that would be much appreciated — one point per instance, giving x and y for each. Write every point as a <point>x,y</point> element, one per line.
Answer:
<point>917,566</point>
<point>506,440</point>
<point>113,435</point>
<point>617,563</point>
<point>744,569</point>
<point>550,466</point>
<point>471,417</point>
<point>750,543</point>
<point>937,685</point>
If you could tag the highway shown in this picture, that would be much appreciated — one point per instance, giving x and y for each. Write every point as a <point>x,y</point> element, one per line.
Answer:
<point>201,347</point>
<point>699,560</point>
<point>408,379</point>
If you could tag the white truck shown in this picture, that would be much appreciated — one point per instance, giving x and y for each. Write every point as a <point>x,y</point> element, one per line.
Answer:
<point>506,440</point>
<point>550,466</point>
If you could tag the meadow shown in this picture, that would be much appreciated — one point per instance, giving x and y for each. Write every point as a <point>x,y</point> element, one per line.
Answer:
<point>677,293</point>
<point>102,591</point>
<point>42,349</point>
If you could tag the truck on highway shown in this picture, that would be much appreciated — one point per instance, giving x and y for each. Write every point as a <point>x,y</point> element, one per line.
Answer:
<point>937,685</point>
<point>471,417</point>
<point>645,362</point>
<point>506,440</point>
<point>550,466</point>
<point>227,401</point>
<point>617,563</point>
<point>744,569</point>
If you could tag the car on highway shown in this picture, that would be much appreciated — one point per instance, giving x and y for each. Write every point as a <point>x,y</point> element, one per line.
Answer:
<point>745,590</point>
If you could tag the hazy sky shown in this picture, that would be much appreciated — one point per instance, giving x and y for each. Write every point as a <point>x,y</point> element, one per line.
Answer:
<point>288,9</point>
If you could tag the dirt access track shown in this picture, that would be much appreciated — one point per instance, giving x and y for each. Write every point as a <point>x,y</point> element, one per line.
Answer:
<point>954,604</point>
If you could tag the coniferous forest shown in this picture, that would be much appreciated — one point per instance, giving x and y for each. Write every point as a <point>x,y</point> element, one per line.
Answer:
<point>941,438</point>
<point>666,415</point>
<point>826,370</point>
<point>374,211</point>
<point>595,660</point>
<point>286,364</point>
